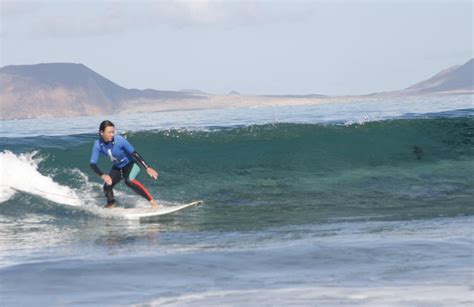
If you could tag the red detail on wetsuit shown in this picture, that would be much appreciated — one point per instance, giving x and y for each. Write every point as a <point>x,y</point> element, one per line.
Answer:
<point>143,189</point>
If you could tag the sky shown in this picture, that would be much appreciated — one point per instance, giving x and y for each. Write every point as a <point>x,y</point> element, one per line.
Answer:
<point>253,47</point>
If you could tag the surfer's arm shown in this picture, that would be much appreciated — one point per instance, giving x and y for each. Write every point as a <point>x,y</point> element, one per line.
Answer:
<point>107,179</point>
<point>135,155</point>
<point>95,159</point>
<point>139,159</point>
<point>96,169</point>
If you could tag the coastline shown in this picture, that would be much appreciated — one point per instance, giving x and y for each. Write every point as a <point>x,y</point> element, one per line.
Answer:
<point>208,102</point>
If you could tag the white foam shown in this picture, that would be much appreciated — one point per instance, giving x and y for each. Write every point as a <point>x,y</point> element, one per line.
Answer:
<point>20,173</point>
<point>403,295</point>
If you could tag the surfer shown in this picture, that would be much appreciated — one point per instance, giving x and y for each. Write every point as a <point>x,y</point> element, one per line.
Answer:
<point>124,159</point>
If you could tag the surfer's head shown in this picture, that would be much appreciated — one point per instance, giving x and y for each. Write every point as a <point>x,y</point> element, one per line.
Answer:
<point>107,130</point>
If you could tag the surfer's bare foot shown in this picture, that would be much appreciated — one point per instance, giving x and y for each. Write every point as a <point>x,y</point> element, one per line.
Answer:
<point>110,206</point>
<point>153,204</point>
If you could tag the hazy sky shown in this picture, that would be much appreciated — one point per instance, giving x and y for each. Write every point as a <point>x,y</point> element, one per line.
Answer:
<point>254,47</point>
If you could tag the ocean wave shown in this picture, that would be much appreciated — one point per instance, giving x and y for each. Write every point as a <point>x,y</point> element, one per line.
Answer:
<point>295,173</point>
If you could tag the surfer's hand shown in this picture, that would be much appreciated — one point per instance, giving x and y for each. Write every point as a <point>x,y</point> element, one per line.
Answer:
<point>107,179</point>
<point>152,173</point>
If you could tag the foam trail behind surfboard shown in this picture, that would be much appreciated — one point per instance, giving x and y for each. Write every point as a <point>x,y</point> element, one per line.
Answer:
<point>20,173</point>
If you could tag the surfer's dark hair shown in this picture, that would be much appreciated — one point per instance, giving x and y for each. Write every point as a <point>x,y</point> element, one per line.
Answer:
<point>105,124</point>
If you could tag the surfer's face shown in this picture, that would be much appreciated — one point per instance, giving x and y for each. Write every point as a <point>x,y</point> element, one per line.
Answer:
<point>108,134</point>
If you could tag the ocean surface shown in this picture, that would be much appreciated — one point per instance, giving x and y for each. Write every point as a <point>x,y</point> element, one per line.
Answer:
<point>360,203</point>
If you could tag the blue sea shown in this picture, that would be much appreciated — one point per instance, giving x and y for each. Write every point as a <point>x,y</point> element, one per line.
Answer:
<point>362,203</point>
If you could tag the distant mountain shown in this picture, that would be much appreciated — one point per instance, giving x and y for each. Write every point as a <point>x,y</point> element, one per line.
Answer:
<point>317,96</point>
<point>66,89</point>
<point>194,91</point>
<point>456,78</point>
<point>233,93</point>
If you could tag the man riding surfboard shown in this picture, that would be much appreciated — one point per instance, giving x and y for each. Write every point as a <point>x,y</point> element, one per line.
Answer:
<point>125,164</point>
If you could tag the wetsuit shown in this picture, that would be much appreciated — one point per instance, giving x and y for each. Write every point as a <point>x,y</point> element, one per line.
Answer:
<point>125,160</point>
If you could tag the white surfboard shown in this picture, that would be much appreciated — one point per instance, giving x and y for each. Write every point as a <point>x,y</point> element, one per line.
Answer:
<point>137,213</point>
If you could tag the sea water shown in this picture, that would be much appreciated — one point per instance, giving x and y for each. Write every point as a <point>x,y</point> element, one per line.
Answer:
<point>341,204</point>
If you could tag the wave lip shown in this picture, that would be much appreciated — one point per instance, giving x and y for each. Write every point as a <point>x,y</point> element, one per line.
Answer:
<point>360,111</point>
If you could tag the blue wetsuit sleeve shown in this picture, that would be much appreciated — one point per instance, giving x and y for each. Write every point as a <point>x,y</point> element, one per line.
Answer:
<point>95,153</point>
<point>95,159</point>
<point>126,145</point>
<point>131,151</point>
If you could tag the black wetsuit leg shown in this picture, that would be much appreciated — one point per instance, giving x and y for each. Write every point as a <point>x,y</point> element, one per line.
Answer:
<point>116,175</point>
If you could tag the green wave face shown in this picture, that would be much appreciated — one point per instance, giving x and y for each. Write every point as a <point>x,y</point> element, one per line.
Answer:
<point>277,174</point>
